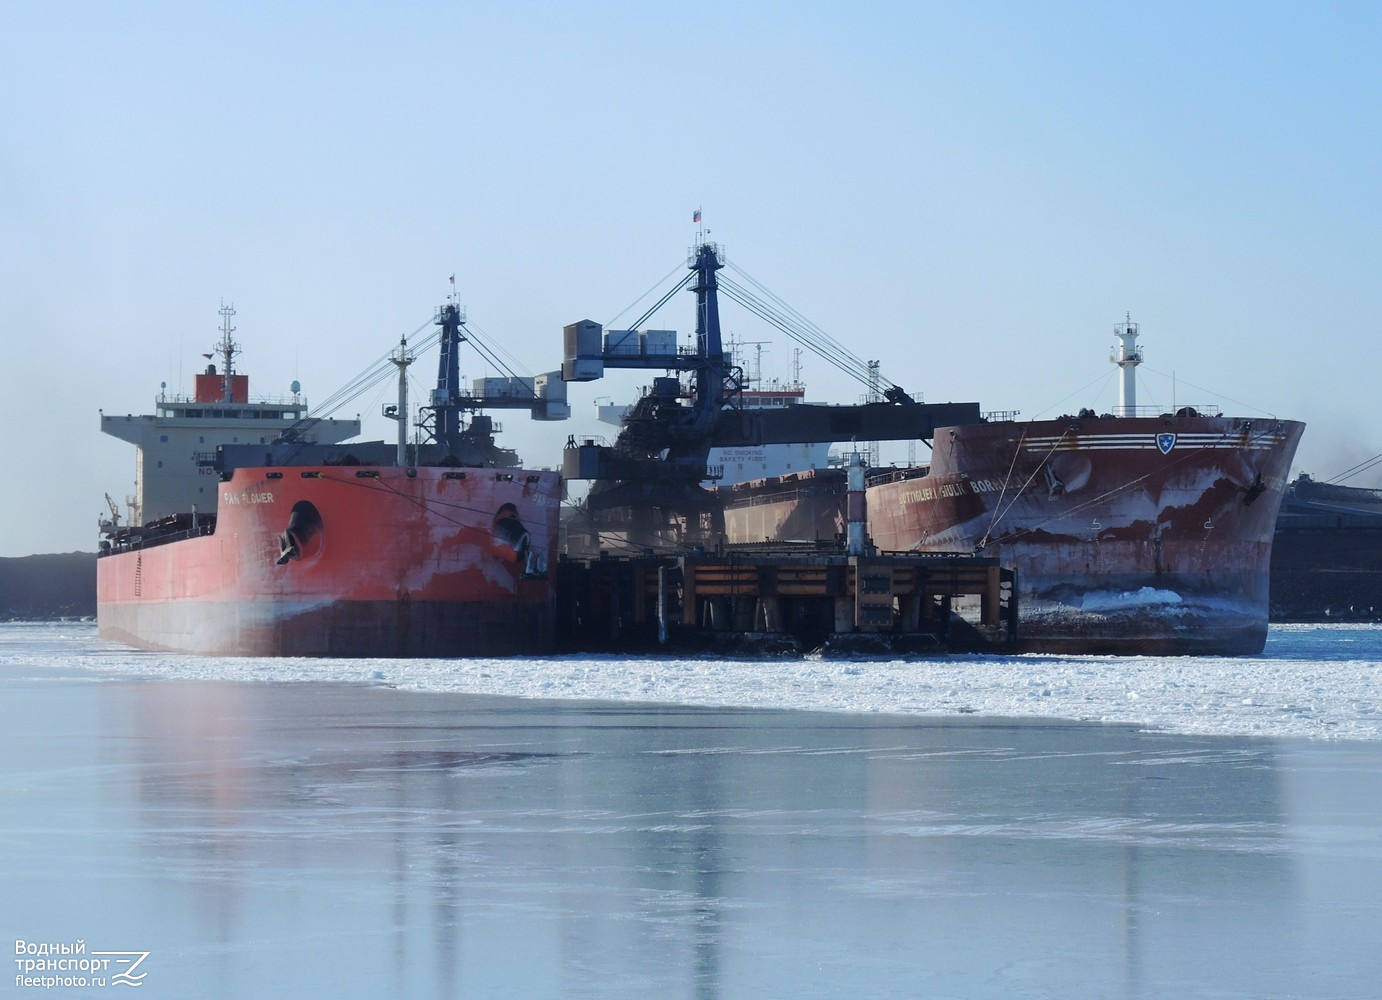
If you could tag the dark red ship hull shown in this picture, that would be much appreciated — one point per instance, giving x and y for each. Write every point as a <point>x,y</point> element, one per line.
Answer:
<point>1127,534</point>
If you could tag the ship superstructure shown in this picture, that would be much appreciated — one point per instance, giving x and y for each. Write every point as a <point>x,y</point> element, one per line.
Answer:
<point>175,446</point>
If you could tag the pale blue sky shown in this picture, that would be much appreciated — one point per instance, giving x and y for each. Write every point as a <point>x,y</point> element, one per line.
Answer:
<point>974,193</point>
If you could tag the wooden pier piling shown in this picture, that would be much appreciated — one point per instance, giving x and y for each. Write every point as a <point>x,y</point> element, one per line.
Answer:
<point>763,599</point>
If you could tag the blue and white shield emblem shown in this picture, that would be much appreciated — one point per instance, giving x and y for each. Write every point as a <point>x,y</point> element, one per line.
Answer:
<point>1165,442</point>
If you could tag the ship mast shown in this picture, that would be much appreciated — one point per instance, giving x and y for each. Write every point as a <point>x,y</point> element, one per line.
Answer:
<point>227,350</point>
<point>401,360</point>
<point>1127,358</point>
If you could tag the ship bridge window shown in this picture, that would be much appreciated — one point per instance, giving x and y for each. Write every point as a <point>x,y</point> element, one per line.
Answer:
<point>163,438</point>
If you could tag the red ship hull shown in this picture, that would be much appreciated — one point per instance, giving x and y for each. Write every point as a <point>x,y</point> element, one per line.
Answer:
<point>378,562</point>
<point>1128,535</point>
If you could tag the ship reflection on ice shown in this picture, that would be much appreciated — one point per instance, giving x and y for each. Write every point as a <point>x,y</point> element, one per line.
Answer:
<point>346,840</point>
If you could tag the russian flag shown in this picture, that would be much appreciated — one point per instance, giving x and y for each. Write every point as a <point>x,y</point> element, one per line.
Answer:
<point>696,215</point>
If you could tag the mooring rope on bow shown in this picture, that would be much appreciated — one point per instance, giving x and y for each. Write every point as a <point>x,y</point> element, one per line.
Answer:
<point>998,517</point>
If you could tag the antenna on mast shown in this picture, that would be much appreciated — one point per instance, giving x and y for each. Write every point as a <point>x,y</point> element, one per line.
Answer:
<point>228,349</point>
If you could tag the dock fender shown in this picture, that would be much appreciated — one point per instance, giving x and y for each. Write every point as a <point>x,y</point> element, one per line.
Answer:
<point>535,567</point>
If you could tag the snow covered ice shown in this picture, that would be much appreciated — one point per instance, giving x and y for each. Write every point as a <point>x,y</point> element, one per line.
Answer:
<point>1316,681</point>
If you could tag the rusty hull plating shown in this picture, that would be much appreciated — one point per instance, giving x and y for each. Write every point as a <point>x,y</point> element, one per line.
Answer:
<point>1127,534</point>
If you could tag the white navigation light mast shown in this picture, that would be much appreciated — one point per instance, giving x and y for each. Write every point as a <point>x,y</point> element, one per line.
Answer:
<point>1127,358</point>
<point>401,360</point>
